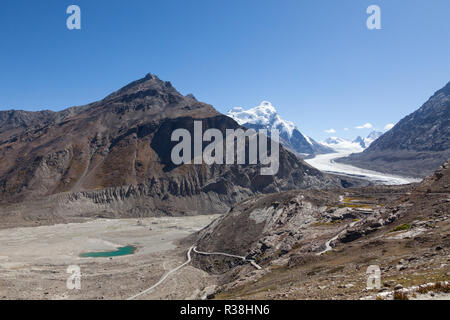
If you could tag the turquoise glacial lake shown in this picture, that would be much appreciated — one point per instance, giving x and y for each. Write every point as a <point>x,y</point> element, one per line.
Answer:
<point>123,251</point>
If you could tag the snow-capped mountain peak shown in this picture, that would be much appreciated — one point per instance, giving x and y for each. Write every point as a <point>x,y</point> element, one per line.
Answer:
<point>366,142</point>
<point>374,135</point>
<point>342,145</point>
<point>334,140</point>
<point>265,116</point>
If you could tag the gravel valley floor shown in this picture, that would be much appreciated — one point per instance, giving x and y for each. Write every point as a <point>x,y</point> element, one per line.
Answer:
<point>34,261</point>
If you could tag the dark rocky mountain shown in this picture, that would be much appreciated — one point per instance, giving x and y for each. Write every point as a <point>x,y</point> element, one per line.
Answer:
<point>416,146</point>
<point>113,157</point>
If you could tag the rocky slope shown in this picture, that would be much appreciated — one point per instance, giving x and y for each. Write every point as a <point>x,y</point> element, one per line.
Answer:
<point>416,146</point>
<point>112,158</point>
<point>265,116</point>
<point>319,244</point>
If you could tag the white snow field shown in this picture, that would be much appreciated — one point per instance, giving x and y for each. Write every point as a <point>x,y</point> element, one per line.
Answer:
<point>327,163</point>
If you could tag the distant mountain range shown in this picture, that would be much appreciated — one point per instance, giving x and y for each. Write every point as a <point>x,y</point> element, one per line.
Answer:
<point>342,145</point>
<point>114,156</point>
<point>366,142</point>
<point>416,145</point>
<point>265,116</point>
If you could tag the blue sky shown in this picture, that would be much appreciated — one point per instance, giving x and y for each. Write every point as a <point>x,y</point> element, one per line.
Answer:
<point>316,61</point>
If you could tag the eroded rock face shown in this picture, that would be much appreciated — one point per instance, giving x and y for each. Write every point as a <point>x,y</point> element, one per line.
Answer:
<point>265,227</point>
<point>439,181</point>
<point>114,154</point>
<point>289,228</point>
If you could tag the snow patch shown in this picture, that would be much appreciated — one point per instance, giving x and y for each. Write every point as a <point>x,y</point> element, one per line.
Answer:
<point>307,139</point>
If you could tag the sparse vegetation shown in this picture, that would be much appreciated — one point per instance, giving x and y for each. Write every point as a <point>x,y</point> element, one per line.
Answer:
<point>443,287</point>
<point>402,227</point>
<point>400,295</point>
<point>327,223</point>
<point>354,205</point>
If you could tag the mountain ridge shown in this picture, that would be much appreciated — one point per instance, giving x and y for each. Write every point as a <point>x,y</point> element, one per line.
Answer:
<point>416,145</point>
<point>342,145</point>
<point>114,155</point>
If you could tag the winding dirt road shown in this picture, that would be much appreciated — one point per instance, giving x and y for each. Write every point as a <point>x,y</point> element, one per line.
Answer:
<point>165,276</point>
<point>189,259</point>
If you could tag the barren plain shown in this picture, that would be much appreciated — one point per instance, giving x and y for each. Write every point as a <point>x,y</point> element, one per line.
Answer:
<point>34,261</point>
